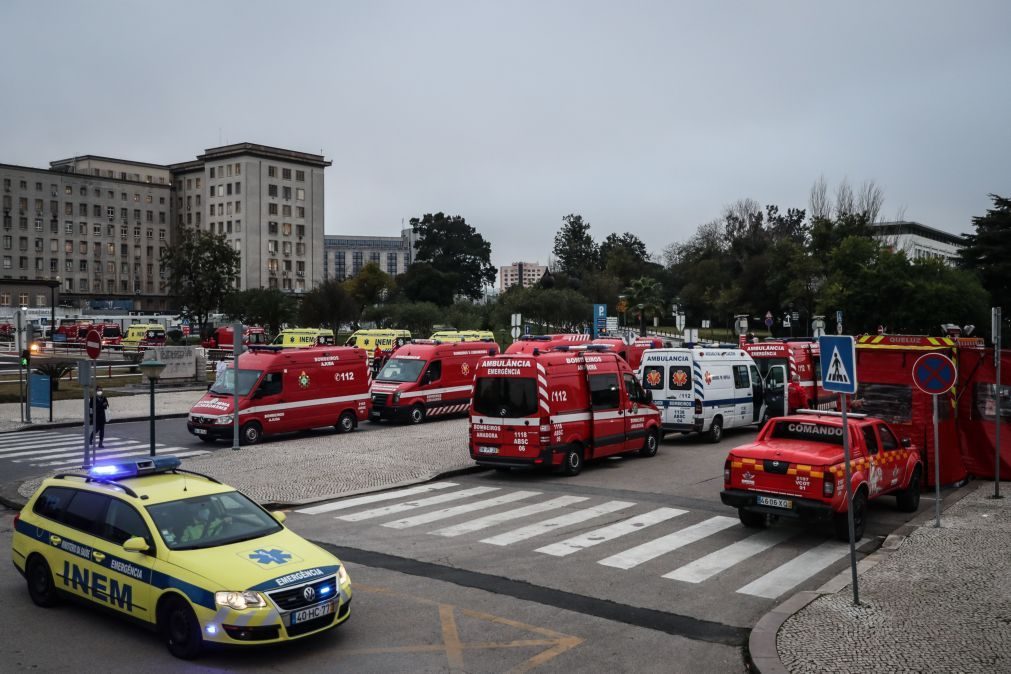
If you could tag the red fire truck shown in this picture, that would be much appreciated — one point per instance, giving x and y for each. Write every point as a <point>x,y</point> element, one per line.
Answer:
<point>558,409</point>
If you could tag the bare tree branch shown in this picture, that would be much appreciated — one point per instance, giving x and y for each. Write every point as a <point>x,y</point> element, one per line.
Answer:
<point>845,202</point>
<point>820,204</point>
<point>870,200</point>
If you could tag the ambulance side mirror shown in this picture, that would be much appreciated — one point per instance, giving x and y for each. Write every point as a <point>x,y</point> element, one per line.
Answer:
<point>136,544</point>
<point>279,516</point>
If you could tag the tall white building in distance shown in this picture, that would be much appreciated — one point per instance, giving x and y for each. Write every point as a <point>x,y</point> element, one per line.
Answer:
<point>918,241</point>
<point>525,274</point>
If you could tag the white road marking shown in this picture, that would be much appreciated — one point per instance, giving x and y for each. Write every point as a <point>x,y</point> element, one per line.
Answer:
<point>498,518</point>
<point>716,562</point>
<point>418,503</point>
<point>661,546</point>
<point>446,513</point>
<point>797,570</point>
<point>539,528</point>
<point>374,498</point>
<point>610,532</point>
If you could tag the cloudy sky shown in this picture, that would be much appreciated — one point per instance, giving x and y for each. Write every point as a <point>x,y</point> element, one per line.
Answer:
<point>641,116</point>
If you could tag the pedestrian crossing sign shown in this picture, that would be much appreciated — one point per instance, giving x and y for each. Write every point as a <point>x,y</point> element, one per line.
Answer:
<point>838,363</point>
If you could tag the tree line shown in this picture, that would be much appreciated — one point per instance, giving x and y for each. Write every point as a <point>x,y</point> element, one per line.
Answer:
<point>749,260</point>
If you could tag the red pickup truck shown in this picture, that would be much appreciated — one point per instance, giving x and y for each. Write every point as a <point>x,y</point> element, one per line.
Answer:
<point>795,469</point>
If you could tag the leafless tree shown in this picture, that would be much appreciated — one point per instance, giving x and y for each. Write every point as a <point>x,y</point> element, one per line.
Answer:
<point>900,213</point>
<point>845,202</point>
<point>870,200</point>
<point>821,205</point>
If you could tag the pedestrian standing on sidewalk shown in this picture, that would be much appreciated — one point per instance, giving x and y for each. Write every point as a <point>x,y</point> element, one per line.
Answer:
<point>796,397</point>
<point>99,405</point>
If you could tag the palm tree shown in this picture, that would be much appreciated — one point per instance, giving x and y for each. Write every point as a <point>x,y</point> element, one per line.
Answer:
<point>645,297</point>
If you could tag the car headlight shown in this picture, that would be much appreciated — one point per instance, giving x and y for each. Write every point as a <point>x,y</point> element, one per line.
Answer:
<point>342,575</point>
<point>225,420</point>
<point>239,600</point>
<point>396,398</point>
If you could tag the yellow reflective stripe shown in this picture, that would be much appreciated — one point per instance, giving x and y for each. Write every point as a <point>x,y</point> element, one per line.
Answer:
<point>878,339</point>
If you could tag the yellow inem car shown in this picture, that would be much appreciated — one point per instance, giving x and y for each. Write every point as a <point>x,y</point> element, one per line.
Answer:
<point>179,552</point>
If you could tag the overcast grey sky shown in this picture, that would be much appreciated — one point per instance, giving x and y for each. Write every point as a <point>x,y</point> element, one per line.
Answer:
<point>641,116</point>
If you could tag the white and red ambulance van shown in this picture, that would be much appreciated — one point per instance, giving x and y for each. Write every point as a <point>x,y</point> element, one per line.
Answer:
<point>286,390</point>
<point>558,409</point>
<point>427,378</point>
<point>529,343</point>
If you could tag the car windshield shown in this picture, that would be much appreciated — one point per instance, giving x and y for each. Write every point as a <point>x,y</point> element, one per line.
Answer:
<point>210,521</point>
<point>111,331</point>
<point>401,370</point>
<point>505,397</point>
<point>226,384</point>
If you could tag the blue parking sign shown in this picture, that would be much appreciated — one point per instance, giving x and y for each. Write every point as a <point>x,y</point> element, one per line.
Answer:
<point>838,363</point>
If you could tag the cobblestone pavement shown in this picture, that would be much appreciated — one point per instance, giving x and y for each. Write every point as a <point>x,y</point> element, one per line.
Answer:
<point>120,407</point>
<point>316,467</point>
<point>940,602</point>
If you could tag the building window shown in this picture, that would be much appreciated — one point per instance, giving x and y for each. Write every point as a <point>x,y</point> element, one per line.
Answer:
<point>96,230</point>
<point>300,211</point>
<point>286,229</point>
<point>300,230</point>
<point>7,261</point>
<point>271,190</point>
<point>211,188</point>
<point>286,211</point>
<point>271,209</point>
<point>286,174</point>
<point>286,192</point>
<point>212,172</point>
<point>300,249</point>
<point>23,299</point>
<point>356,262</point>
<point>271,171</point>
<point>300,194</point>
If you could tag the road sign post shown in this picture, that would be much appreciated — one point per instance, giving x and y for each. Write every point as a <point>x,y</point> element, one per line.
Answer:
<point>599,319</point>
<point>935,374</point>
<point>995,319</point>
<point>839,375</point>
<point>84,378</point>
<point>236,350</point>
<point>93,344</point>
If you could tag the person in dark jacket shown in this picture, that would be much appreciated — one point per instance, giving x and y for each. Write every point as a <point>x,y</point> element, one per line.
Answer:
<point>99,405</point>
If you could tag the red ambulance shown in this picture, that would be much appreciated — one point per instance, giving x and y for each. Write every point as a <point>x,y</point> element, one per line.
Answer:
<point>223,337</point>
<point>559,409</point>
<point>530,343</point>
<point>427,378</point>
<point>286,390</point>
<point>632,353</point>
<point>798,356</point>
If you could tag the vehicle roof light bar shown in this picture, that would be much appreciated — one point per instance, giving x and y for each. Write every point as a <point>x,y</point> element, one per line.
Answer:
<point>831,413</point>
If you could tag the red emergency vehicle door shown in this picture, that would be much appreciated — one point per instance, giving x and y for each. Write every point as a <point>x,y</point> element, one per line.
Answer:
<point>267,400</point>
<point>607,415</point>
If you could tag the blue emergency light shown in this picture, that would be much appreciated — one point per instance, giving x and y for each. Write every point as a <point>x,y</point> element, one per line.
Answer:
<point>159,464</point>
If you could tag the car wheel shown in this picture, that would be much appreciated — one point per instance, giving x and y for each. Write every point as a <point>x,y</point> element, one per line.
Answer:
<point>417,414</point>
<point>41,587</point>
<point>346,423</point>
<point>842,531</point>
<point>573,463</point>
<point>251,433</point>
<point>752,520</point>
<point>716,430</point>
<point>651,444</point>
<point>908,500</point>
<point>181,629</point>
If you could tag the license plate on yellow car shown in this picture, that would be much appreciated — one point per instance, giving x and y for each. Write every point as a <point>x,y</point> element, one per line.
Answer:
<point>313,612</point>
<point>775,502</point>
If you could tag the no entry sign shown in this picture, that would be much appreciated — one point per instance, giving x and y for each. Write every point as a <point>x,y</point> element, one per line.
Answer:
<point>934,373</point>
<point>93,344</point>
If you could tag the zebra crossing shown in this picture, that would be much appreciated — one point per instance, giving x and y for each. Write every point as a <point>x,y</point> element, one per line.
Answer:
<point>530,519</point>
<point>53,451</point>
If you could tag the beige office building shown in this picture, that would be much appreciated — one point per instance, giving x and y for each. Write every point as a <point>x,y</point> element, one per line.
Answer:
<point>525,274</point>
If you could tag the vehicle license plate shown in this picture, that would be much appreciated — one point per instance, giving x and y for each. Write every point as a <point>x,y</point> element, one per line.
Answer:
<point>200,431</point>
<point>484,449</point>
<point>313,612</point>
<point>775,502</point>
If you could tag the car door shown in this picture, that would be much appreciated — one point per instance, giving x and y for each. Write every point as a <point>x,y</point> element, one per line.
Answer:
<point>743,396</point>
<point>875,475</point>
<point>608,416</point>
<point>128,574</point>
<point>775,390</point>
<point>892,462</point>
<point>431,380</point>
<point>268,398</point>
<point>757,394</point>
<point>81,572</point>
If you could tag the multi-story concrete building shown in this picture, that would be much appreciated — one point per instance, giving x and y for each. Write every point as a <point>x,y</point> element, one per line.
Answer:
<point>525,274</point>
<point>918,241</point>
<point>267,202</point>
<point>97,224</point>
<point>100,225</point>
<point>345,255</point>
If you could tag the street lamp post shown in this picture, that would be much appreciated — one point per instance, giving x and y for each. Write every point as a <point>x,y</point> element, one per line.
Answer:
<point>152,369</point>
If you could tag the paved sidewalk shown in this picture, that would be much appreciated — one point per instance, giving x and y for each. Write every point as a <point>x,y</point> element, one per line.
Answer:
<point>940,600</point>
<point>121,408</point>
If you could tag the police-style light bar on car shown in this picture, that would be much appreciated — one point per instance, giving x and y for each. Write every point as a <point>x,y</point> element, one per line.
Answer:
<point>121,469</point>
<point>831,413</point>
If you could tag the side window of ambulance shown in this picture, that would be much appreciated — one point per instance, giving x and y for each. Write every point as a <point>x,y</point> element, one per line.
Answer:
<point>86,512</point>
<point>756,377</point>
<point>871,440</point>
<point>652,377</point>
<point>635,392</point>
<point>271,384</point>
<point>434,372</point>
<point>53,502</point>
<point>604,394</point>
<point>123,522</point>
<point>741,377</point>
<point>888,441</point>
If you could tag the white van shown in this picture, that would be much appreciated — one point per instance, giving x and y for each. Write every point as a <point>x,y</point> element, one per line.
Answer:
<point>703,389</point>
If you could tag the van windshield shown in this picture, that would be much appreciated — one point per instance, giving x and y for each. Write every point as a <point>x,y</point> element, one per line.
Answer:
<point>111,331</point>
<point>226,384</point>
<point>402,370</point>
<point>505,397</point>
<point>256,338</point>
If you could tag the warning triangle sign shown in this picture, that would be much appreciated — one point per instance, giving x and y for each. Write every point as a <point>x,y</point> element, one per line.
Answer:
<point>836,370</point>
